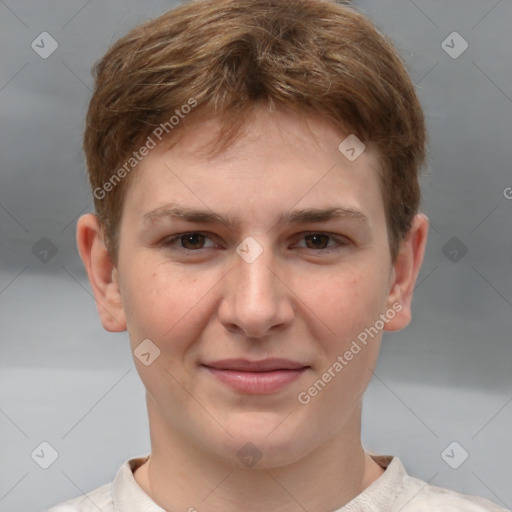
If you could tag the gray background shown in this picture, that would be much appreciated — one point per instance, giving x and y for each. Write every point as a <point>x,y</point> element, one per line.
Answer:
<point>445,378</point>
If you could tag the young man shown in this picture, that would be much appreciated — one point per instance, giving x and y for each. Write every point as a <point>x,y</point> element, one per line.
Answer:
<point>255,168</point>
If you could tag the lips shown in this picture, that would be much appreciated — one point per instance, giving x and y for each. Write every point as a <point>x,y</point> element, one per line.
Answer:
<point>264,365</point>
<point>256,377</point>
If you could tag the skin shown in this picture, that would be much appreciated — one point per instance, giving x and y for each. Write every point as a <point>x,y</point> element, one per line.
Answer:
<point>295,301</point>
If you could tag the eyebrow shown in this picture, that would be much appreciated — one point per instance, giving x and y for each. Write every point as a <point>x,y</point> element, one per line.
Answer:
<point>301,216</point>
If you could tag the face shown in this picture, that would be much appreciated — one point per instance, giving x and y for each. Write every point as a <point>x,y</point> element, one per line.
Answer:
<point>253,291</point>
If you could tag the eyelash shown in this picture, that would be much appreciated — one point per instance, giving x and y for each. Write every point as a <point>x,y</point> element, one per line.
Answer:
<point>170,243</point>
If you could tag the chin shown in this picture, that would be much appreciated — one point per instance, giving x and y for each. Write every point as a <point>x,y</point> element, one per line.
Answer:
<point>262,440</point>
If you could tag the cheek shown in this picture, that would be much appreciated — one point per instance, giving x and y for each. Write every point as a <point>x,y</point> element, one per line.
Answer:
<point>348,303</point>
<point>350,309</point>
<point>163,306</point>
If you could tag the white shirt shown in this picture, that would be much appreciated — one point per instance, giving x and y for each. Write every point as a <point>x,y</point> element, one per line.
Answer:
<point>393,491</point>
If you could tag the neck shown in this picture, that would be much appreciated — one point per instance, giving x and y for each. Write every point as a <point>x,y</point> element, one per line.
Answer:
<point>180,476</point>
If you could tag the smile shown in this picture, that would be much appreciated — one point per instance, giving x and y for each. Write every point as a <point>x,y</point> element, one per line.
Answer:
<point>256,377</point>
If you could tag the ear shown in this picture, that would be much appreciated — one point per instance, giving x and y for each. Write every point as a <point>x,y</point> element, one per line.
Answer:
<point>101,272</point>
<point>404,273</point>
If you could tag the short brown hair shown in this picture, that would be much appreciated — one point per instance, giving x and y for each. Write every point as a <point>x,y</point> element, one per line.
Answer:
<point>228,56</point>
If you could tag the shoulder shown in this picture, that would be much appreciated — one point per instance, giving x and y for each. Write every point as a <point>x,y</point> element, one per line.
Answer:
<point>99,499</point>
<point>397,491</point>
<point>110,497</point>
<point>420,496</point>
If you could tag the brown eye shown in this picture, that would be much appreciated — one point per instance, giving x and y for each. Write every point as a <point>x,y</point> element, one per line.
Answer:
<point>322,243</point>
<point>188,242</point>
<point>318,241</point>
<point>192,241</point>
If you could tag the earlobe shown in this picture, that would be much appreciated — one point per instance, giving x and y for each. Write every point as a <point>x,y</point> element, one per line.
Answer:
<point>101,272</point>
<point>405,272</point>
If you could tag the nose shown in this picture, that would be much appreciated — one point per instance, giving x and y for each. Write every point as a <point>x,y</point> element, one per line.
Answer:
<point>256,299</point>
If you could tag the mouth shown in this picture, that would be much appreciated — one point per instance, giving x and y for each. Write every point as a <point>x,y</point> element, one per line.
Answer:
<point>256,377</point>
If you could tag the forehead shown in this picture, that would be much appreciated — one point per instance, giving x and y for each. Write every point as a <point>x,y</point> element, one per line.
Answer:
<point>279,161</point>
